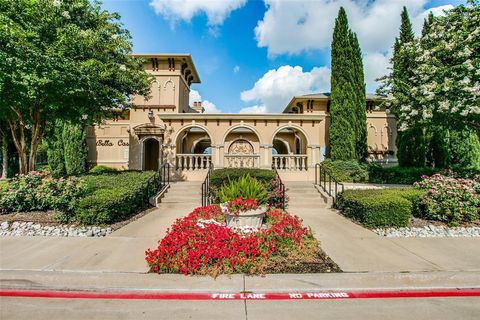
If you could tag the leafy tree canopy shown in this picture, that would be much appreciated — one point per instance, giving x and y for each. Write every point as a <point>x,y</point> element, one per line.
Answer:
<point>65,59</point>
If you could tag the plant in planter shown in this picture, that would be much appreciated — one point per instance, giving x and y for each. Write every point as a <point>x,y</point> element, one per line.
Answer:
<point>245,187</point>
<point>241,213</point>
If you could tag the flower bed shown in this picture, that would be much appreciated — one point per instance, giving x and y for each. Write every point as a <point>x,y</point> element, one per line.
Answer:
<point>202,244</point>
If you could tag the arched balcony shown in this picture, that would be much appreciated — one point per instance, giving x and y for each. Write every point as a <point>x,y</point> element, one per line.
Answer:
<point>242,146</point>
<point>194,149</point>
<point>289,150</point>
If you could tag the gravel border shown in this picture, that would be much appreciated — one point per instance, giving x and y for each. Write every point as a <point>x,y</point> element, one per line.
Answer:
<point>428,231</point>
<point>62,230</point>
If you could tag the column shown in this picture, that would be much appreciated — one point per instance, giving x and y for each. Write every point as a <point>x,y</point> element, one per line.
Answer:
<point>266,156</point>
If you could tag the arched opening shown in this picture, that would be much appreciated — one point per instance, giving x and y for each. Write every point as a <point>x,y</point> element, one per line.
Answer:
<point>280,147</point>
<point>242,145</point>
<point>194,149</point>
<point>151,154</point>
<point>289,150</point>
<point>202,146</point>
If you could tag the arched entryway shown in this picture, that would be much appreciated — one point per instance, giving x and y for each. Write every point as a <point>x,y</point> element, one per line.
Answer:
<point>151,154</point>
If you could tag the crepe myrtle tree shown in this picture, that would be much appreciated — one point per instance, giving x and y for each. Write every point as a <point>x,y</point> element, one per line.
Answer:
<point>68,60</point>
<point>446,81</point>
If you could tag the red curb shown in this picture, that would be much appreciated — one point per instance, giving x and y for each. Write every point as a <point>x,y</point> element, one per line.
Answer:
<point>314,295</point>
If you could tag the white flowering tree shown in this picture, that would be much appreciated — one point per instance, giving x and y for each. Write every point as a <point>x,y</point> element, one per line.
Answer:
<point>446,80</point>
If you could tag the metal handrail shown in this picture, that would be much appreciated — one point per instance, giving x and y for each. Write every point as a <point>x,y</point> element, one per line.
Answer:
<point>281,185</point>
<point>164,175</point>
<point>324,179</point>
<point>206,187</point>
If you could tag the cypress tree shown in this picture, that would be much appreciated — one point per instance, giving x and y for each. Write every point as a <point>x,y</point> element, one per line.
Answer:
<point>55,152</point>
<point>75,147</point>
<point>411,148</point>
<point>361,147</point>
<point>342,107</point>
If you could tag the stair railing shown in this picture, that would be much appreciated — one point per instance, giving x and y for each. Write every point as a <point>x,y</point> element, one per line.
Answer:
<point>281,186</point>
<point>164,176</point>
<point>327,182</point>
<point>206,187</point>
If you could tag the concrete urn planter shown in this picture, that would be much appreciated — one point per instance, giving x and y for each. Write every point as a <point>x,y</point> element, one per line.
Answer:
<point>249,218</point>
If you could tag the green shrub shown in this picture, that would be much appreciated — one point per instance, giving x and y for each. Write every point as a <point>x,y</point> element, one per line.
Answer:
<point>449,199</point>
<point>245,187</point>
<point>75,148</point>
<point>398,175</point>
<point>102,170</point>
<point>3,186</point>
<point>380,207</point>
<point>346,171</point>
<point>221,177</point>
<point>114,197</point>
<point>55,151</point>
<point>38,191</point>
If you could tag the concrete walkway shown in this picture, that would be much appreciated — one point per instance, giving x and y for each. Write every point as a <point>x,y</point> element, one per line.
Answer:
<point>356,249</point>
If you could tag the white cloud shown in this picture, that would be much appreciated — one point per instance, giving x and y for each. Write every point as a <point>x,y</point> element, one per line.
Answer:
<point>275,88</point>
<point>236,69</point>
<point>208,106</point>
<point>215,10</point>
<point>194,96</point>
<point>254,109</point>
<point>292,27</point>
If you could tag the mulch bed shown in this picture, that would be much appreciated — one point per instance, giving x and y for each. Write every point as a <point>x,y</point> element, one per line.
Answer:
<point>321,264</point>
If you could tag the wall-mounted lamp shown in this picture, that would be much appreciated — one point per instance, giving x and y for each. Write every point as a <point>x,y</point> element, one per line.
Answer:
<point>150,114</point>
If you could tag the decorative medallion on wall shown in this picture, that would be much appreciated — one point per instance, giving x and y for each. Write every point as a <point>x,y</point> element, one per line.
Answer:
<point>240,154</point>
<point>240,147</point>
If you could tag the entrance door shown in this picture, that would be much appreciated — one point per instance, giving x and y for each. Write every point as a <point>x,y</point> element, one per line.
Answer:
<point>151,152</point>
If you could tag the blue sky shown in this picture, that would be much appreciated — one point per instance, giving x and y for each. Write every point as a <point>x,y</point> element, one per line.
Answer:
<point>253,56</point>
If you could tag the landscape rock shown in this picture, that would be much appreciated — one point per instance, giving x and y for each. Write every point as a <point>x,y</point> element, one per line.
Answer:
<point>37,229</point>
<point>428,232</point>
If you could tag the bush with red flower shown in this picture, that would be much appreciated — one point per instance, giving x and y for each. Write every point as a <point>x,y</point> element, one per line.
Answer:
<point>238,205</point>
<point>202,244</point>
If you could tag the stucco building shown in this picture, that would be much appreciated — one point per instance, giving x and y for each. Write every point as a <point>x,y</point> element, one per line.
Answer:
<point>165,128</point>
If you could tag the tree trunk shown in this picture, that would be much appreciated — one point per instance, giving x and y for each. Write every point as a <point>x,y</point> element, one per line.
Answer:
<point>19,142</point>
<point>37,133</point>
<point>4,157</point>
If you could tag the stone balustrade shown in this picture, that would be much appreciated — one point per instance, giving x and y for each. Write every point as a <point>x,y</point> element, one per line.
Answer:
<point>242,161</point>
<point>285,162</point>
<point>193,162</point>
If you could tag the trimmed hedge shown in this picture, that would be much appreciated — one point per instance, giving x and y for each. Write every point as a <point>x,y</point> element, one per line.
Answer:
<point>380,207</point>
<point>115,196</point>
<point>102,170</point>
<point>220,177</point>
<point>398,175</point>
<point>346,171</point>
